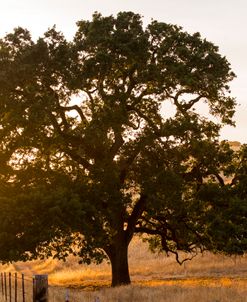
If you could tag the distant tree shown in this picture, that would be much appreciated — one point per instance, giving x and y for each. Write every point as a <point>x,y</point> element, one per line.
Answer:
<point>89,155</point>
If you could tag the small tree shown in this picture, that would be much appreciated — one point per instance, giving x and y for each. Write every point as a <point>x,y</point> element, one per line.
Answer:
<point>89,157</point>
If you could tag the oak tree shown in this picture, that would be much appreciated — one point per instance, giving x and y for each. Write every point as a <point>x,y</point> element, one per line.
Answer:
<point>91,152</point>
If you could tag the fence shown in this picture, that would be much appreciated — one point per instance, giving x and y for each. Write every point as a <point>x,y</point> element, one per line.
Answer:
<point>17,287</point>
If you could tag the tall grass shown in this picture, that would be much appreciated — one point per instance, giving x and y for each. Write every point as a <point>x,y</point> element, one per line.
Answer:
<point>135,293</point>
<point>155,277</point>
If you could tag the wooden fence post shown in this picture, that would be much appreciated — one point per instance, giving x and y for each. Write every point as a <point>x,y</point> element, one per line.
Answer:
<point>40,288</point>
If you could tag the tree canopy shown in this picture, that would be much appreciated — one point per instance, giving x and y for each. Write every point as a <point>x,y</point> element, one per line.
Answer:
<point>90,154</point>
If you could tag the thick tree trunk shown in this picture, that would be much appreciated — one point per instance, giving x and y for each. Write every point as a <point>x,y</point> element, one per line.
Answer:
<point>118,255</point>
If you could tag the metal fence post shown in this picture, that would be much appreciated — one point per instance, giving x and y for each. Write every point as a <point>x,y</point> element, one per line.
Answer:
<point>5,286</point>
<point>10,287</point>
<point>15,287</point>
<point>23,287</point>
<point>2,283</point>
<point>67,295</point>
<point>40,288</point>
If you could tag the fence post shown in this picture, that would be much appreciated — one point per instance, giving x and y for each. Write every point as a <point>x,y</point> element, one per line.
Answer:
<point>2,283</point>
<point>40,288</point>
<point>23,287</point>
<point>15,287</point>
<point>10,287</point>
<point>67,295</point>
<point>5,286</point>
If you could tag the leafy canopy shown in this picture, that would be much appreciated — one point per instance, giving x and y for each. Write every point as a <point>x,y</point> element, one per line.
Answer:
<point>89,155</point>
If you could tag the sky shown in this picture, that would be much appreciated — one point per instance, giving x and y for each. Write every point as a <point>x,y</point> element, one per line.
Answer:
<point>222,22</point>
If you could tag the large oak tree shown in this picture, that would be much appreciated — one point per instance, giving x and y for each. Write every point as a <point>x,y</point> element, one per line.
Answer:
<point>91,153</point>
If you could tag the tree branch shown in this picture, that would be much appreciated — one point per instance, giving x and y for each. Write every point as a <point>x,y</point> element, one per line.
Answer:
<point>55,124</point>
<point>72,154</point>
<point>78,109</point>
<point>78,159</point>
<point>117,144</point>
<point>144,230</point>
<point>124,165</point>
<point>136,214</point>
<point>184,107</point>
<point>89,94</point>
<point>220,179</point>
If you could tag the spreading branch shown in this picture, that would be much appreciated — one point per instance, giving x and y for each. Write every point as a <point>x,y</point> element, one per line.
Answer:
<point>185,106</point>
<point>136,214</point>
<point>77,109</point>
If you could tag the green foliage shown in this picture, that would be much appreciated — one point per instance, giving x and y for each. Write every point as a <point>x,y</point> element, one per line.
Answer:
<point>87,156</point>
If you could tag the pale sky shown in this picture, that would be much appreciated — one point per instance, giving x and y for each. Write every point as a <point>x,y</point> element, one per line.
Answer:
<point>222,22</point>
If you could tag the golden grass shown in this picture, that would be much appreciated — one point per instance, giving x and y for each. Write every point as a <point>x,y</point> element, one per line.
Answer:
<point>137,293</point>
<point>155,277</point>
<point>144,266</point>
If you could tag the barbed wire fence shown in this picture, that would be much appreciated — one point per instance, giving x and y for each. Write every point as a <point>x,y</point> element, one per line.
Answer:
<point>19,287</point>
<point>16,287</point>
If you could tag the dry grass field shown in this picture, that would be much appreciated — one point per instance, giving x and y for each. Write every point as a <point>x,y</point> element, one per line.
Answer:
<point>209,278</point>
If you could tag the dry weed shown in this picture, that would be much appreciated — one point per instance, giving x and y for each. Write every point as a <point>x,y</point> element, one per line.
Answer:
<point>207,278</point>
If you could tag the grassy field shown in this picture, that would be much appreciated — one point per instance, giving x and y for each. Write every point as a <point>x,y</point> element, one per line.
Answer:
<point>209,278</point>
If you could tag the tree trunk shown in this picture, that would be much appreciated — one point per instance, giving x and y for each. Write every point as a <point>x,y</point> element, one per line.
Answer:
<point>118,255</point>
